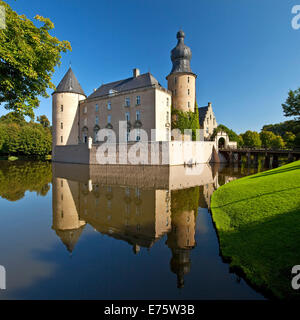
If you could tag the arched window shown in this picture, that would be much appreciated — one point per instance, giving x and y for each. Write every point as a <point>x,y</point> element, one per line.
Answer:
<point>96,130</point>
<point>85,132</point>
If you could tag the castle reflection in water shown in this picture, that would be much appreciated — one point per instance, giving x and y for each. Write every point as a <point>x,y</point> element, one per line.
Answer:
<point>138,205</point>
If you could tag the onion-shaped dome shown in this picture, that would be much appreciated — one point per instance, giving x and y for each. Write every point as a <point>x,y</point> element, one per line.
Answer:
<point>181,55</point>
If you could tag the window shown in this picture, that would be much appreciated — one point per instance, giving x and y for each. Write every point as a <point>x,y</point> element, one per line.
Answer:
<point>138,100</point>
<point>138,135</point>
<point>109,119</point>
<point>61,139</point>
<point>127,102</point>
<point>175,80</point>
<point>61,125</point>
<point>127,116</point>
<point>167,117</point>
<point>96,108</point>
<point>167,102</point>
<point>206,130</point>
<point>96,135</point>
<point>97,120</point>
<point>188,79</point>
<point>188,91</point>
<point>85,109</point>
<point>61,108</point>
<point>210,117</point>
<point>128,135</point>
<point>108,105</point>
<point>84,137</point>
<point>138,115</point>
<point>189,104</point>
<point>85,122</point>
<point>207,121</point>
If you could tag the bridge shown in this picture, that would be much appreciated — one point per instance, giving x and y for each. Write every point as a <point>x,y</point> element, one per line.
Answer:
<point>271,156</point>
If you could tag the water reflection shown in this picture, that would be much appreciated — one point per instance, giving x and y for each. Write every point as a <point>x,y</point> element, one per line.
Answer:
<point>152,229</point>
<point>138,205</point>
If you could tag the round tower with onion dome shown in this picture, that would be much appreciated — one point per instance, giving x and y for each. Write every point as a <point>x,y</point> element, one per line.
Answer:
<point>65,102</point>
<point>181,80</point>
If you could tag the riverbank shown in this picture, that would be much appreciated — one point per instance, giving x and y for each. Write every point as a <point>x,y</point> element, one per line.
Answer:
<point>258,224</point>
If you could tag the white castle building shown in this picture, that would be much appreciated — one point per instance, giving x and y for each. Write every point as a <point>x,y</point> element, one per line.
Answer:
<point>138,111</point>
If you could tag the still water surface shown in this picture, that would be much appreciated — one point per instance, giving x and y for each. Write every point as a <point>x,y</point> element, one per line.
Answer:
<point>92,232</point>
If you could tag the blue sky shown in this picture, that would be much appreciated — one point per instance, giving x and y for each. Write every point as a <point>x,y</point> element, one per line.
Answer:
<point>245,52</point>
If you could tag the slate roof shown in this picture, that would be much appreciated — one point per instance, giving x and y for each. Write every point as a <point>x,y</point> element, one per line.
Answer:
<point>202,114</point>
<point>181,55</point>
<point>141,81</point>
<point>69,83</point>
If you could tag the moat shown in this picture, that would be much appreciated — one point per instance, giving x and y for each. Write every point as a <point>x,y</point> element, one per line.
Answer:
<point>84,232</point>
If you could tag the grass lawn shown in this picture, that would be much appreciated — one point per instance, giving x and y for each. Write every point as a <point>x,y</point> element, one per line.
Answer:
<point>258,223</point>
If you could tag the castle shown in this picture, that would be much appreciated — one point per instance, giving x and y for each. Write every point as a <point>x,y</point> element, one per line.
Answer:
<point>140,102</point>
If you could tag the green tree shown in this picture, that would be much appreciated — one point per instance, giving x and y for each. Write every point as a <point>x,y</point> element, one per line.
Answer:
<point>266,138</point>
<point>13,117</point>
<point>43,120</point>
<point>251,139</point>
<point>289,139</point>
<point>277,143</point>
<point>283,127</point>
<point>29,55</point>
<point>297,141</point>
<point>292,105</point>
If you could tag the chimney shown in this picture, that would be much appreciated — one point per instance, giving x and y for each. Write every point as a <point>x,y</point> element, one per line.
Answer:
<point>136,72</point>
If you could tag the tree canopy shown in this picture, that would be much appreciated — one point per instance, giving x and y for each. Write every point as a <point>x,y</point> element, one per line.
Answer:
<point>18,137</point>
<point>28,56</point>
<point>292,105</point>
<point>44,121</point>
<point>251,139</point>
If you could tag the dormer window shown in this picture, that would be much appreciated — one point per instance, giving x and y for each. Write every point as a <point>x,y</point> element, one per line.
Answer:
<point>112,91</point>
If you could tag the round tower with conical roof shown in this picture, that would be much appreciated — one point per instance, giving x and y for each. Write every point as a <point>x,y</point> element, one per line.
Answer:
<point>65,102</point>
<point>181,80</point>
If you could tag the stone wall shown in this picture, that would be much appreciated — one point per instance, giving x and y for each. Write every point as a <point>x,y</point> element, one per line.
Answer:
<point>143,153</point>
